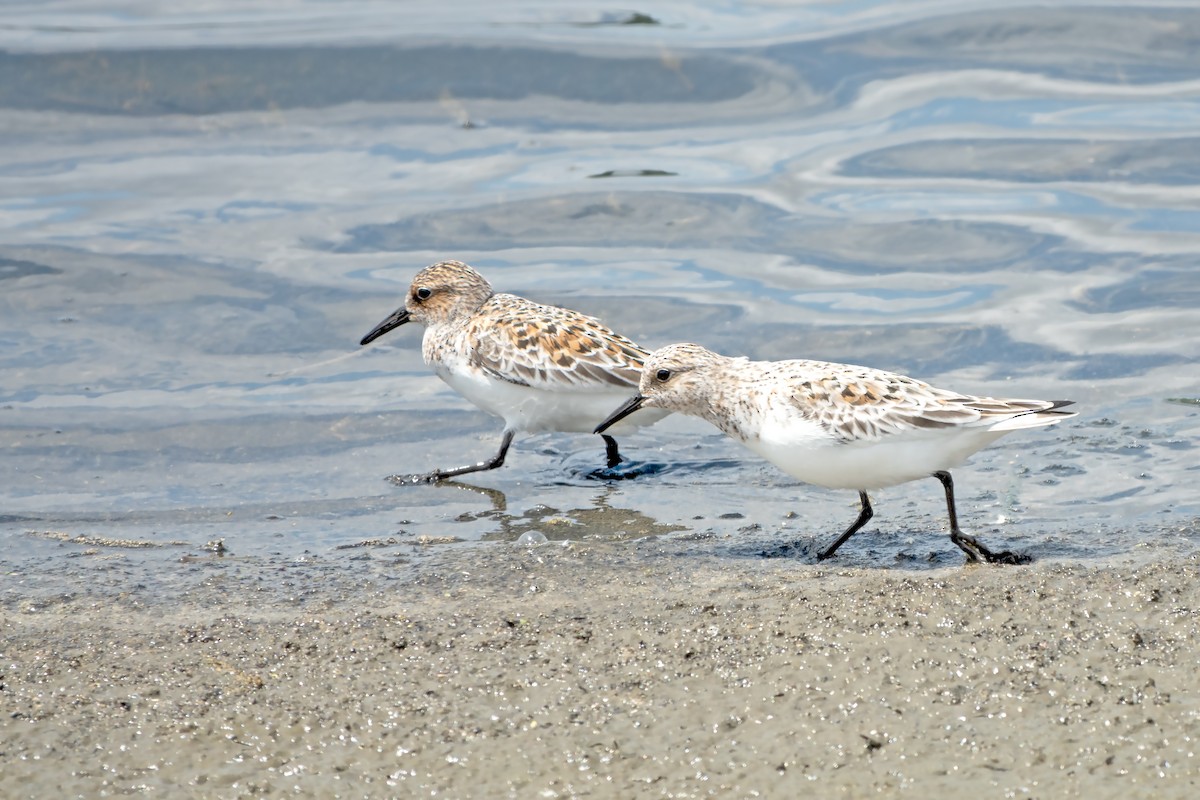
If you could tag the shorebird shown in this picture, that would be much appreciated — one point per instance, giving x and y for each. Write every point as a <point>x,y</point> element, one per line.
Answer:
<point>538,367</point>
<point>837,425</point>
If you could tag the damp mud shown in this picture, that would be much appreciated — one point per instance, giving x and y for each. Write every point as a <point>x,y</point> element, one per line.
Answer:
<point>652,668</point>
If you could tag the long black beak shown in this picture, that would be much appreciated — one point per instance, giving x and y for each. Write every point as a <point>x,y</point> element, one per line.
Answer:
<point>628,407</point>
<point>397,318</point>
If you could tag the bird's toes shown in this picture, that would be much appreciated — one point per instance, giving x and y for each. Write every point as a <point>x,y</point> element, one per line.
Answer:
<point>413,480</point>
<point>1010,558</point>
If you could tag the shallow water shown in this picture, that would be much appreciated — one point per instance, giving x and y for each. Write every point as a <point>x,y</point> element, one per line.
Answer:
<point>203,210</point>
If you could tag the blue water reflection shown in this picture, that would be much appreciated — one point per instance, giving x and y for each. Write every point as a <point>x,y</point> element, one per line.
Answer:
<point>203,209</point>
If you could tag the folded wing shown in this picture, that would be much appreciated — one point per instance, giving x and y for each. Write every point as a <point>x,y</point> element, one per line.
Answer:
<point>553,348</point>
<point>865,404</point>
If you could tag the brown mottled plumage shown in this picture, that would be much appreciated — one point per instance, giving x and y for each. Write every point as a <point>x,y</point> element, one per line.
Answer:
<point>524,342</point>
<point>539,367</point>
<point>838,425</point>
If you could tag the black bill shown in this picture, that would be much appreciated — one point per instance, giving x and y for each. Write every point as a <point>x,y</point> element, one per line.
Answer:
<point>628,407</point>
<point>397,318</point>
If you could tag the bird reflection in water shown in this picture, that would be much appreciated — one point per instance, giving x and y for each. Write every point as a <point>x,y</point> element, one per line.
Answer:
<point>600,521</point>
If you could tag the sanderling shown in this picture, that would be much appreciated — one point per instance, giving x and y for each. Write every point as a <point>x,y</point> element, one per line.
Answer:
<point>836,425</point>
<point>540,368</point>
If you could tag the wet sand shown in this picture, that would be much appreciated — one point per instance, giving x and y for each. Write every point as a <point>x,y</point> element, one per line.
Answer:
<point>632,669</point>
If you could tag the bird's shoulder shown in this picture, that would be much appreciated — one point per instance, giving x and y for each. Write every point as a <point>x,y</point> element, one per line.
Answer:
<point>534,344</point>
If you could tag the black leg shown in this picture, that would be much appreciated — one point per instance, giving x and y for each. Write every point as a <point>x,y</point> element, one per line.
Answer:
<point>864,515</point>
<point>975,549</point>
<point>441,474</point>
<point>610,450</point>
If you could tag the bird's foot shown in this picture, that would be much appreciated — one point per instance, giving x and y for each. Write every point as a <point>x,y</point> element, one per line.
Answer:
<point>415,480</point>
<point>976,551</point>
<point>1008,557</point>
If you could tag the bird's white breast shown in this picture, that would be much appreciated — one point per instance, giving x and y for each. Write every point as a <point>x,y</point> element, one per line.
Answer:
<point>533,410</point>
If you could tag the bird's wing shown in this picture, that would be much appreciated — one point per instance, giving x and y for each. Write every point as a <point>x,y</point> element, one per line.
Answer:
<point>530,344</point>
<point>859,403</point>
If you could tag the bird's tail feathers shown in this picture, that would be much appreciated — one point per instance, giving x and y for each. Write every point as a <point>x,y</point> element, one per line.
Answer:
<point>1050,413</point>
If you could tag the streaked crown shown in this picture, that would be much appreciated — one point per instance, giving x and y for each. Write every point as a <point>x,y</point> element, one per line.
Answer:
<point>445,292</point>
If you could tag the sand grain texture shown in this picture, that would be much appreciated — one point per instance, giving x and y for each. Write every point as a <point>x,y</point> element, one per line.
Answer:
<point>614,670</point>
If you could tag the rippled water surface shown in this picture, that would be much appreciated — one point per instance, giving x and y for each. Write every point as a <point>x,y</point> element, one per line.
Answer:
<point>205,207</point>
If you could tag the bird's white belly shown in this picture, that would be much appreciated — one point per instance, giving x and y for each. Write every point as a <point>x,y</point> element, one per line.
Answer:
<point>873,464</point>
<point>524,408</point>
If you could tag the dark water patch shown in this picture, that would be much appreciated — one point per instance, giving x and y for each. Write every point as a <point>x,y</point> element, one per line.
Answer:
<point>915,349</point>
<point>1146,289</point>
<point>610,18</point>
<point>925,245</point>
<point>693,220</point>
<point>634,173</point>
<point>1118,46</point>
<point>268,324</point>
<point>230,79</point>
<point>268,437</point>
<point>620,218</point>
<point>1106,366</point>
<point>12,268</point>
<point>187,305</point>
<point>1161,161</point>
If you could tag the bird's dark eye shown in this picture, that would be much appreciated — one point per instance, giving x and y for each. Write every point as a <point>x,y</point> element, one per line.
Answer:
<point>663,375</point>
<point>424,293</point>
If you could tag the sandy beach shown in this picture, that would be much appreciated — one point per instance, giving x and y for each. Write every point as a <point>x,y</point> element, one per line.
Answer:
<point>631,669</point>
